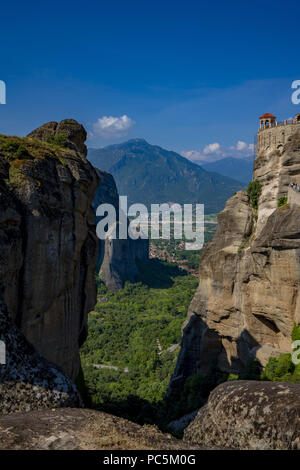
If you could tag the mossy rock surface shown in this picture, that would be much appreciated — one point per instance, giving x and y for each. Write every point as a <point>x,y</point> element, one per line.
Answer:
<point>23,148</point>
<point>24,155</point>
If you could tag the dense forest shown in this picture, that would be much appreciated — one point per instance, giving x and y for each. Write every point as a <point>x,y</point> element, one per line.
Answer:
<point>133,341</point>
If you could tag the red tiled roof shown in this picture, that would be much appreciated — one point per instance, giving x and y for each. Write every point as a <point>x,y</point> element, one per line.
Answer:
<point>267,115</point>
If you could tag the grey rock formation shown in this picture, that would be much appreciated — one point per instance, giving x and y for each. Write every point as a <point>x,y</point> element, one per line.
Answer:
<point>178,425</point>
<point>27,380</point>
<point>117,258</point>
<point>249,415</point>
<point>75,133</point>
<point>48,250</point>
<point>248,297</point>
<point>73,429</point>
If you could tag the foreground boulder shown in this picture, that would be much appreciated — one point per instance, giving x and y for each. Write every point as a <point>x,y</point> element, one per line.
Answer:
<point>71,429</point>
<point>249,415</point>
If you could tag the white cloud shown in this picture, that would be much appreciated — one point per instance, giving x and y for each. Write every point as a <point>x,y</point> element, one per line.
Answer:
<point>211,148</point>
<point>245,149</point>
<point>110,126</point>
<point>241,145</point>
<point>216,151</point>
<point>192,155</point>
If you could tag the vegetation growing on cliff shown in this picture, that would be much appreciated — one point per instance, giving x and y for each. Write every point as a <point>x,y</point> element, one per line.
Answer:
<point>296,332</point>
<point>254,191</point>
<point>17,151</point>
<point>25,148</point>
<point>282,201</point>
<point>58,140</point>
<point>282,368</point>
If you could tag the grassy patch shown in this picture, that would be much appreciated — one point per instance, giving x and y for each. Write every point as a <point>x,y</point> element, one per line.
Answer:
<point>21,148</point>
<point>58,140</point>
<point>16,177</point>
<point>282,201</point>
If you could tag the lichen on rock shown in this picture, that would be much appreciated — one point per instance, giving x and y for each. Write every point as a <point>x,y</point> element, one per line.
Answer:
<point>249,415</point>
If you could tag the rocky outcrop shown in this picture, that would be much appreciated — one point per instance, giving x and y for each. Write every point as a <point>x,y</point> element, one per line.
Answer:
<point>48,250</point>
<point>117,258</point>
<point>249,292</point>
<point>73,429</point>
<point>249,415</point>
<point>74,132</point>
<point>27,380</point>
<point>178,425</point>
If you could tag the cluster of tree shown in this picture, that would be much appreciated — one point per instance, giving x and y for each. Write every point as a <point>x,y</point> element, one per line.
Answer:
<point>131,351</point>
<point>127,361</point>
<point>282,368</point>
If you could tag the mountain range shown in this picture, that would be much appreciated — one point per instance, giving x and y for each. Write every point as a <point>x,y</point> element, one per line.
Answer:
<point>236,168</point>
<point>149,174</point>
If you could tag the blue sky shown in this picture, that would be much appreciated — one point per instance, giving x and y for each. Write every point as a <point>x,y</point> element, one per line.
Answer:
<point>190,76</point>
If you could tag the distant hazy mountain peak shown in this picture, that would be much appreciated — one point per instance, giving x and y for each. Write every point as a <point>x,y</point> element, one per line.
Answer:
<point>137,140</point>
<point>237,168</point>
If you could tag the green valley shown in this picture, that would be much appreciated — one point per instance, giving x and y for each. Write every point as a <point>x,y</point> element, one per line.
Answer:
<point>134,334</point>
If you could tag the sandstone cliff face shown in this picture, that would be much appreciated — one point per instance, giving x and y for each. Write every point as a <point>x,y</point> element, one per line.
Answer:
<point>249,292</point>
<point>117,259</point>
<point>275,171</point>
<point>48,245</point>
